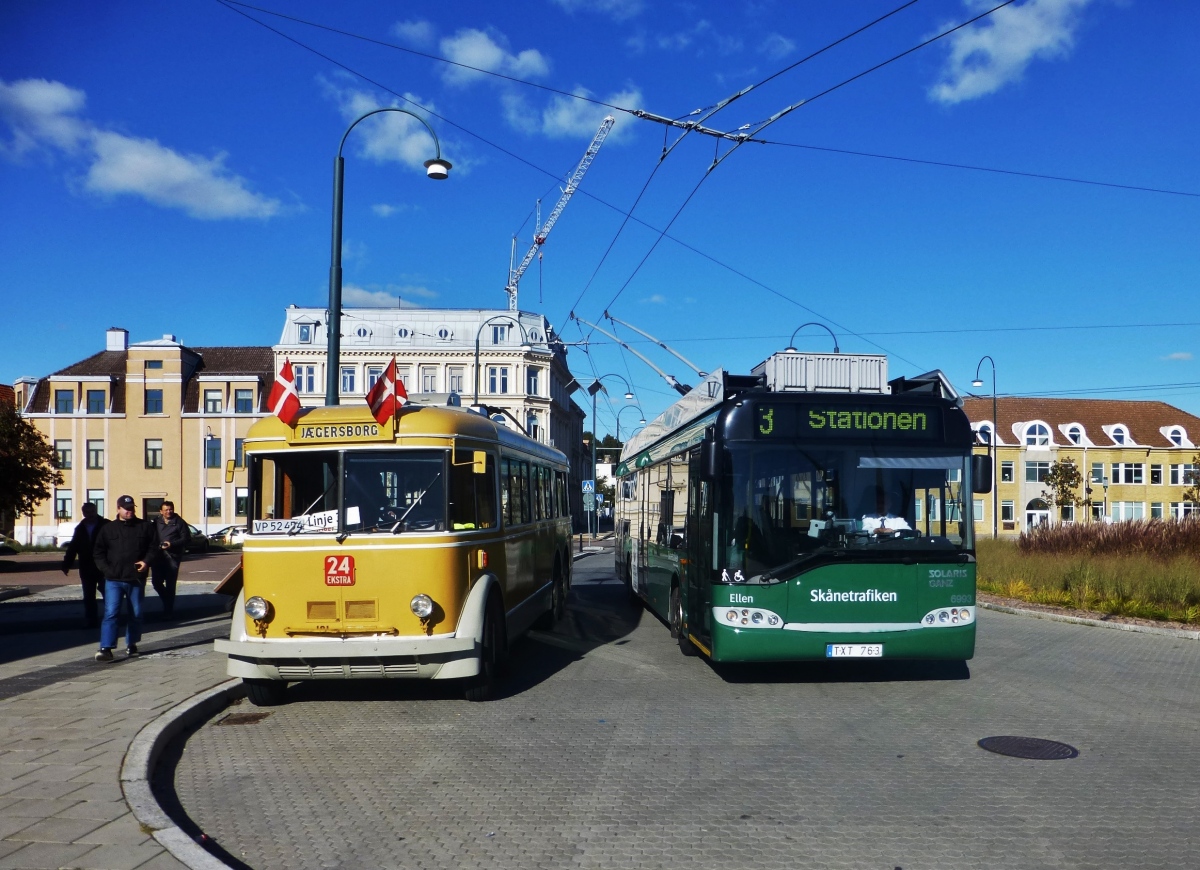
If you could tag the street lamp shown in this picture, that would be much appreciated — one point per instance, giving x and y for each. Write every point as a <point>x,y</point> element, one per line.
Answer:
<point>436,168</point>
<point>622,411</point>
<point>1104,483</point>
<point>595,388</point>
<point>526,347</point>
<point>978,382</point>
<point>791,348</point>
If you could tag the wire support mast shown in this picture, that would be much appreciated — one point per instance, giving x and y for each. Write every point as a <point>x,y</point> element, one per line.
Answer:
<point>682,389</point>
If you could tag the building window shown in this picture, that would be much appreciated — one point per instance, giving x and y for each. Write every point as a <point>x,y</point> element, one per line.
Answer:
<point>531,381</point>
<point>1126,472</point>
<point>96,497</point>
<point>154,453</point>
<point>1035,472</point>
<point>241,498</point>
<point>1097,472</point>
<point>1075,434</point>
<point>497,379</point>
<point>444,333</point>
<point>1097,510</point>
<point>374,373</point>
<point>306,378</point>
<point>305,330</point>
<point>1177,437</point>
<point>212,401</point>
<point>1180,510</point>
<point>212,501</point>
<point>499,333</point>
<point>977,509</point>
<point>1119,435</point>
<point>243,401</point>
<point>239,452</point>
<point>1007,471</point>
<point>95,401</point>
<point>1127,510</point>
<point>1156,475</point>
<point>95,454</point>
<point>1037,435</point>
<point>1007,514</point>
<point>1067,513</point>
<point>64,401</point>
<point>428,379</point>
<point>456,374</point>
<point>63,450</point>
<point>1183,475</point>
<point>212,452</point>
<point>531,426</point>
<point>347,379</point>
<point>404,376</point>
<point>403,333</point>
<point>62,504</point>
<point>154,364</point>
<point>362,332</point>
<point>984,434</point>
<point>154,401</point>
<point>1156,510</point>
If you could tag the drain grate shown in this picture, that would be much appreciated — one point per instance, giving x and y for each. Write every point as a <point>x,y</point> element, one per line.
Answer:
<point>243,718</point>
<point>1029,747</point>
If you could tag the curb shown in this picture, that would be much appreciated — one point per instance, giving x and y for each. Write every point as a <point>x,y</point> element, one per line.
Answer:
<point>137,768</point>
<point>1094,623</point>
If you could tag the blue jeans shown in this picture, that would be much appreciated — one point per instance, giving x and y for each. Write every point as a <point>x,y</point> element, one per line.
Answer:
<point>114,592</point>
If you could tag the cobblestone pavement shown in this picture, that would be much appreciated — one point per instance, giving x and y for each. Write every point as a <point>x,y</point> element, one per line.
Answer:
<point>609,749</point>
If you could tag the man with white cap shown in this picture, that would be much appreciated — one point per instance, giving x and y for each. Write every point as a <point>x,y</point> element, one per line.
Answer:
<point>124,549</point>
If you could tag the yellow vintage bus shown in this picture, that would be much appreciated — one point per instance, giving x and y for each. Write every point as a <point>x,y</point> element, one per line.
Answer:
<point>410,550</point>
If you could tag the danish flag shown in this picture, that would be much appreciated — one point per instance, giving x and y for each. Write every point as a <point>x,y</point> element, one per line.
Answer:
<point>387,396</point>
<point>283,401</point>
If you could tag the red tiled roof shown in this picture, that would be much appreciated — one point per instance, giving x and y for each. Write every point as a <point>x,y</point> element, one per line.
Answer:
<point>8,395</point>
<point>1143,419</point>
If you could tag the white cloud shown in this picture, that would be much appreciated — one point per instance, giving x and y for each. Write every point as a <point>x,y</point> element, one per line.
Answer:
<point>776,47</point>
<point>416,32</point>
<point>988,55</point>
<point>384,295</point>
<point>656,299</point>
<point>702,30</point>
<point>386,210</point>
<point>389,136</point>
<point>618,10</point>
<point>44,115</point>
<point>565,117</point>
<point>488,51</point>
<point>1178,355</point>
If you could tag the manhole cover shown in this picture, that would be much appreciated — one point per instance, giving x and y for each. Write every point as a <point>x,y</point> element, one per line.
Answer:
<point>243,718</point>
<point>1029,747</point>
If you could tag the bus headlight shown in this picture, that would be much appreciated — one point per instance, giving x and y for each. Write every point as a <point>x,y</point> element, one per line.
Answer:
<point>422,606</point>
<point>258,608</point>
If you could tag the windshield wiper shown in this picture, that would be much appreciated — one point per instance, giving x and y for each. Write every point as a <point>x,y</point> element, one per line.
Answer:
<point>296,529</point>
<point>416,501</point>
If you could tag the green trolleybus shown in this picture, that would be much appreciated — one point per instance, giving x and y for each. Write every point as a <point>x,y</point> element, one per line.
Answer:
<point>810,510</point>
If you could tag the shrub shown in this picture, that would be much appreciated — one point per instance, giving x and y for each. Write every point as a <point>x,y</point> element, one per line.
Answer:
<point>1158,539</point>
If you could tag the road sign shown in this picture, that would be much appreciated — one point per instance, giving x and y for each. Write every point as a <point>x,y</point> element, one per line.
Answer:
<point>589,502</point>
<point>589,486</point>
<point>599,498</point>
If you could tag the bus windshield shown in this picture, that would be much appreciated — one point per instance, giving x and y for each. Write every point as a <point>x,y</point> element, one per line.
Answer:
<point>786,504</point>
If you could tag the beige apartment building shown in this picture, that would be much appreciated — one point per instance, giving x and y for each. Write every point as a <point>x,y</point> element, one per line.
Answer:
<point>156,420</point>
<point>1135,459</point>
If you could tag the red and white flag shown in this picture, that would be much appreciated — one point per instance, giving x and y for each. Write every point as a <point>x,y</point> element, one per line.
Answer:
<point>283,400</point>
<point>387,396</point>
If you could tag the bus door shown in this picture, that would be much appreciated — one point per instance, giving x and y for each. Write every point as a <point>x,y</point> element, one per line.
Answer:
<point>698,552</point>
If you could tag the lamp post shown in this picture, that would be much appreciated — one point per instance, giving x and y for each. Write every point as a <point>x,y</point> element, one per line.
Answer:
<point>1104,483</point>
<point>791,348</point>
<point>596,387</point>
<point>978,382</point>
<point>525,347</point>
<point>622,411</point>
<point>436,168</point>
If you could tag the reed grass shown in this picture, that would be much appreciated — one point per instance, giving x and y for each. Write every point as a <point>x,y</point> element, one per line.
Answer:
<point>1148,569</point>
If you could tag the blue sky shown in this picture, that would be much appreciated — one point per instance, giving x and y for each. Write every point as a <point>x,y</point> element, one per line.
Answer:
<point>167,167</point>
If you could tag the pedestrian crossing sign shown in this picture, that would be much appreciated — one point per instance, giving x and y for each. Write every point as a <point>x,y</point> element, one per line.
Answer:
<point>589,486</point>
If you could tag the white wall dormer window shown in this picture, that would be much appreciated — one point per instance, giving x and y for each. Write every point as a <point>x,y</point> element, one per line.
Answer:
<point>1177,435</point>
<point>1075,434</point>
<point>1120,435</point>
<point>305,333</point>
<point>984,433</point>
<point>1037,435</point>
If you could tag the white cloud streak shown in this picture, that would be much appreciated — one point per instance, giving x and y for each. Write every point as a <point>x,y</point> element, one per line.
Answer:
<point>385,295</point>
<point>566,118</point>
<point>415,32</point>
<point>618,10</point>
<point>488,51</point>
<point>392,137</point>
<point>44,118</point>
<point>1178,356</point>
<point>996,51</point>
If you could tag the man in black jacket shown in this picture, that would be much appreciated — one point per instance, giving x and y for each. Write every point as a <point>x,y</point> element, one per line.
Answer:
<point>173,535</point>
<point>81,546</point>
<point>123,552</point>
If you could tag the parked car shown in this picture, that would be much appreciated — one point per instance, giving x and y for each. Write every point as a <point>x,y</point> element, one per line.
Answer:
<point>197,541</point>
<point>229,536</point>
<point>7,547</point>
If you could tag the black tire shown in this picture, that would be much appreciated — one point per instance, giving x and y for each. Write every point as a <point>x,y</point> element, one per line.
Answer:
<point>265,693</point>
<point>491,658</point>
<point>675,616</point>
<point>634,598</point>
<point>558,603</point>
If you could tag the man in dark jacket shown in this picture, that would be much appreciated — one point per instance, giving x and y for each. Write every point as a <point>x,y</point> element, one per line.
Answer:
<point>81,546</point>
<point>123,551</point>
<point>173,535</point>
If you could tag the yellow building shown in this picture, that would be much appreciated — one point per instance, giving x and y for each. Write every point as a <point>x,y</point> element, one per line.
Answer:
<point>156,420</point>
<point>1135,459</point>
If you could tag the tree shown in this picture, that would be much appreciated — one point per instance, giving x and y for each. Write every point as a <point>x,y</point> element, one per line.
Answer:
<point>28,464</point>
<point>1063,482</point>
<point>1192,479</point>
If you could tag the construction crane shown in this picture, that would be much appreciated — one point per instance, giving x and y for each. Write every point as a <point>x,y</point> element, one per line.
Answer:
<point>539,235</point>
<point>682,389</point>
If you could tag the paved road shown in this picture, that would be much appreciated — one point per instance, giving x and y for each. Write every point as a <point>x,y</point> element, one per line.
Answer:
<point>609,749</point>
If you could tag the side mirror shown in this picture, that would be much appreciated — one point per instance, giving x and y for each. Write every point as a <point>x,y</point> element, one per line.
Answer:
<point>981,473</point>
<point>479,462</point>
<point>711,459</point>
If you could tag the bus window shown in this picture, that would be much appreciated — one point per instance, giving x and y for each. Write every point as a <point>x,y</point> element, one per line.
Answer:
<point>506,498</point>
<point>395,491</point>
<point>536,487</point>
<point>473,497</point>
<point>522,510</point>
<point>293,485</point>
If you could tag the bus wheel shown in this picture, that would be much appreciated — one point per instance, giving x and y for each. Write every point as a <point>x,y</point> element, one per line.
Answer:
<point>634,598</point>
<point>265,693</point>
<point>558,602</point>
<point>676,611</point>
<point>482,686</point>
